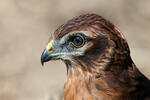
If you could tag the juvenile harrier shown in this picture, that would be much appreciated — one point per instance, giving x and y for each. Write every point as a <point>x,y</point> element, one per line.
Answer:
<point>98,61</point>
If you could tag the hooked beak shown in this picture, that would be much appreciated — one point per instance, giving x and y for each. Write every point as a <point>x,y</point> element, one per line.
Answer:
<point>51,52</point>
<point>45,57</point>
<point>47,53</point>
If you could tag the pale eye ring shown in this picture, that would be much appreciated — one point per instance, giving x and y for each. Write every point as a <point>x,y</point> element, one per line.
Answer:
<point>78,41</point>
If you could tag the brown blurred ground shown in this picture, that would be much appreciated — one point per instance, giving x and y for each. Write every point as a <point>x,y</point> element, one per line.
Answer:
<point>25,27</point>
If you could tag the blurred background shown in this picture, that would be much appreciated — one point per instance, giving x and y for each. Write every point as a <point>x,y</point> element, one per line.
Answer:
<point>25,28</point>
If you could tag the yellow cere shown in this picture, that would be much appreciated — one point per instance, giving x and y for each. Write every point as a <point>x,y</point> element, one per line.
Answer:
<point>49,45</point>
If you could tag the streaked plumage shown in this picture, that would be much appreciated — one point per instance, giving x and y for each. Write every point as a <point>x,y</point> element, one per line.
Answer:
<point>98,61</point>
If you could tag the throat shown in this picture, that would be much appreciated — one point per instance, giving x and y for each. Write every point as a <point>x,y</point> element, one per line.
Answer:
<point>78,85</point>
<point>84,85</point>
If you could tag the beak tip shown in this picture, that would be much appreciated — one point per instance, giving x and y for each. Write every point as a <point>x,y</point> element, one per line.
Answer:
<point>42,60</point>
<point>42,63</point>
<point>45,57</point>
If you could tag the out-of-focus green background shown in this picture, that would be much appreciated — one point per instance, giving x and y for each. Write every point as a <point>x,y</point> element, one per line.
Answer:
<point>25,28</point>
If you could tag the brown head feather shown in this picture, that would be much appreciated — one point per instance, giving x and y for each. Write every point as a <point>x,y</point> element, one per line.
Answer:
<point>105,71</point>
<point>108,39</point>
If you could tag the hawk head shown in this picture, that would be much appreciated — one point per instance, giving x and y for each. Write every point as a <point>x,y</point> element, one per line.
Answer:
<point>87,41</point>
<point>98,61</point>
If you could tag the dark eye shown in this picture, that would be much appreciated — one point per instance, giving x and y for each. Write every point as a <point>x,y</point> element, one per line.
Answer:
<point>78,41</point>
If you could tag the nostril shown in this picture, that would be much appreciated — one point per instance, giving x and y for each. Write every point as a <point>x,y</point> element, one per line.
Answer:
<point>50,49</point>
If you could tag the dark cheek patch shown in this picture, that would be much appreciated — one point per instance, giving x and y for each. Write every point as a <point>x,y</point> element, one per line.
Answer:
<point>92,53</point>
<point>99,45</point>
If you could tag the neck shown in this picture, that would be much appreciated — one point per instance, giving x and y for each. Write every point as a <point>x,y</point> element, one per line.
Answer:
<point>113,81</point>
<point>77,86</point>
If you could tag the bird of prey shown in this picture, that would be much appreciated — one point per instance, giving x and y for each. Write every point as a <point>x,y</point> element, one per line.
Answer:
<point>98,61</point>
